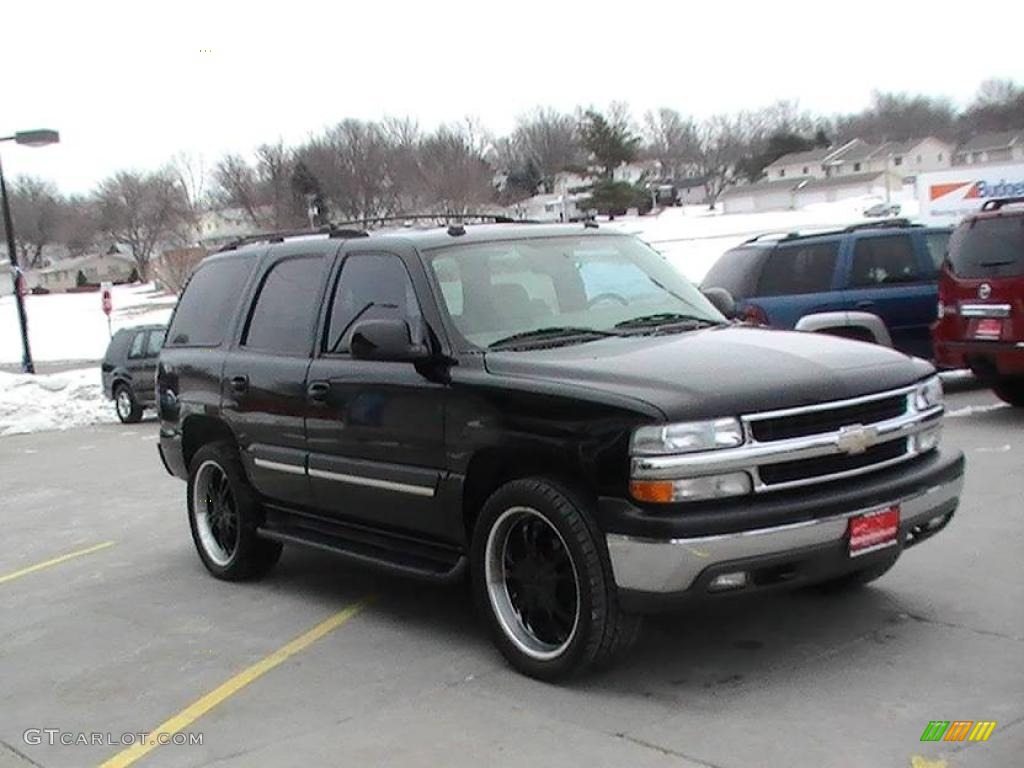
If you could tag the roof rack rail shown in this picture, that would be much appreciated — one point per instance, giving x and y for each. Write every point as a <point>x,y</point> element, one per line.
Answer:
<point>438,218</point>
<point>279,235</point>
<point>997,203</point>
<point>900,223</point>
<point>765,235</point>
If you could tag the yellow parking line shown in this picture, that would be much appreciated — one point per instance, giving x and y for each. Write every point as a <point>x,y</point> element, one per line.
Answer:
<point>201,706</point>
<point>55,561</point>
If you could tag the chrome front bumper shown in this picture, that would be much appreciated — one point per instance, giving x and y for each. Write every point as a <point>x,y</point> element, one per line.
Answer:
<point>672,565</point>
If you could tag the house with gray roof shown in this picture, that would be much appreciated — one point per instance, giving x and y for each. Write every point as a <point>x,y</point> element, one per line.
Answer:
<point>1001,147</point>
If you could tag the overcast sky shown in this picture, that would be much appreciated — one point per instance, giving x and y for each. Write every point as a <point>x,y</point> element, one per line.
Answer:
<point>127,85</point>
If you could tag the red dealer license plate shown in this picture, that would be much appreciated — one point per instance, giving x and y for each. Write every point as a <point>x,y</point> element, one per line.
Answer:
<point>874,530</point>
<point>989,328</point>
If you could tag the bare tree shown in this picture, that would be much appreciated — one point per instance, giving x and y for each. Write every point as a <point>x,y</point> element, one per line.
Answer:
<point>897,116</point>
<point>455,176</point>
<point>724,141</point>
<point>80,225</point>
<point>547,138</point>
<point>673,141</point>
<point>174,266</point>
<point>236,186</point>
<point>141,212</point>
<point>351,164</point>
<point>189,170</point>
<point>36,208</point>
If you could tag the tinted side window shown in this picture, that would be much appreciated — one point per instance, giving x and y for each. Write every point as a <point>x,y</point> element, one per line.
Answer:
<point>210,299</point>
<point>156,341</point>
<point>370,287</point>
<point>799,268</point>
<point>282,316</point>
<point>883,261</point>
<point>138,344</point>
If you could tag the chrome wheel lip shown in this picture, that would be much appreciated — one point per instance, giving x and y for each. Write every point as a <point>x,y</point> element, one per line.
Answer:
<point>497,588</point>
<point>201,509</point>
<point>123,403</point>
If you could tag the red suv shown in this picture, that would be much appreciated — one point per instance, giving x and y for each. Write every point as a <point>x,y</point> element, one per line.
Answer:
<point>981,298</point>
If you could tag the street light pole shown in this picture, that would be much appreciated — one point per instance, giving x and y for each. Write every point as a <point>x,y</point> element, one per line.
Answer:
<point>32,139</point>
<point>12,254</point>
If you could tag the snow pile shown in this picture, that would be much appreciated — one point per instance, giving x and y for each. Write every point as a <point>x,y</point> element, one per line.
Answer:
<point>57,401</point>
<point>72,326</point>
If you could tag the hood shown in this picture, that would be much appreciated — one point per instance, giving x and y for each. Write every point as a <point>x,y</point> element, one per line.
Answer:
<point>719,372</point>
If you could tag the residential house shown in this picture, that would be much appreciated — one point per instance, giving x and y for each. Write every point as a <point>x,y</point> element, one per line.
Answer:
<point>784,194</point>
<point>220,227</point>
<point>1002,147</point>
<point>111,266</point>
<point>905,158</point>
<point>553,207</point>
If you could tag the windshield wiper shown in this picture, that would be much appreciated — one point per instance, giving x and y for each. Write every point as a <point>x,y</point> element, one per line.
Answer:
<point>554,333</point>
<point>662,318</point>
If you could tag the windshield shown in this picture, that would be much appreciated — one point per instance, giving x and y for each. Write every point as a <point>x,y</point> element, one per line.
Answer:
<point>988,248</point>
<point>498,290</point>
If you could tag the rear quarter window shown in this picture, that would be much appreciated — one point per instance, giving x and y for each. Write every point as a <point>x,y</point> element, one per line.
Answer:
<point>737,271</point>
<point>988,248</point>
<point>208,303</point>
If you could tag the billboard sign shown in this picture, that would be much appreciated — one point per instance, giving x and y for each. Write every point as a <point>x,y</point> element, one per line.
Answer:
<point>946,196</point>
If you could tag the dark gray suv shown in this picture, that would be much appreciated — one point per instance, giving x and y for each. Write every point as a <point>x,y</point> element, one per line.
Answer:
<point>129,369</point>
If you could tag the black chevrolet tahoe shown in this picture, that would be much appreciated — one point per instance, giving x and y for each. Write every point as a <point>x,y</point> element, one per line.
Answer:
<point>550,408</point>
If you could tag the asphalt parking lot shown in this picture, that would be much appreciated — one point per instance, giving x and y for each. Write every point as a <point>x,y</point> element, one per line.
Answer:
<point>110,625</point>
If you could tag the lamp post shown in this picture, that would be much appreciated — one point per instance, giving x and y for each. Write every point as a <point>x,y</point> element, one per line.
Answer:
<point>32,139</point>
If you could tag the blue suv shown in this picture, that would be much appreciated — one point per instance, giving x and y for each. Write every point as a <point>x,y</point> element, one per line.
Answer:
<point>873,282</point>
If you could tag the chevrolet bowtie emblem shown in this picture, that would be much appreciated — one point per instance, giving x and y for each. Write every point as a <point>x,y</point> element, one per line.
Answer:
<point>856,439</point>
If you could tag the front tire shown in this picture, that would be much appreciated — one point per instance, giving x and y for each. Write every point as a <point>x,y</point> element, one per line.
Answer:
<point>129,411</point>
<point>223,513</point>
<point>543,581</point>
<point>1010,391</point>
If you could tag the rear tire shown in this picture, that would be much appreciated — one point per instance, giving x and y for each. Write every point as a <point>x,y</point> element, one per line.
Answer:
<point>129,411</point>
<point>543,581</point>
<point>223,513</point>
<point>1010,391</point>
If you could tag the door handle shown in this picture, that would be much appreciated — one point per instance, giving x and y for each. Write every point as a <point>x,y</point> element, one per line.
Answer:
<point>865,304</point>
<point>317,391</point>
<point>239,383</point>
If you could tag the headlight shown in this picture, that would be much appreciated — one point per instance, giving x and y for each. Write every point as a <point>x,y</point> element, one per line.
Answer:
<point>928,394</point>
<point>686,437</point>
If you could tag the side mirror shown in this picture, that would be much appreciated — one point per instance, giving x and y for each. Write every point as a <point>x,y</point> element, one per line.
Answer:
<point>722,301</point>
<point>386,339</point>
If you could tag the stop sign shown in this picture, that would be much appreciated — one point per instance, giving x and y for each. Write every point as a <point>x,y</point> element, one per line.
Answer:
<point>108,303</point>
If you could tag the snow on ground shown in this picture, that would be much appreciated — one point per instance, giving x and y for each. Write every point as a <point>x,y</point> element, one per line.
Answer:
<point>57,401</point>
<point>72,326</point>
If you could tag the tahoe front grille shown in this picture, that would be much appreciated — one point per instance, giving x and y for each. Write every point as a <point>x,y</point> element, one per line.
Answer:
<point>815,422</point>
<point>824,466</point>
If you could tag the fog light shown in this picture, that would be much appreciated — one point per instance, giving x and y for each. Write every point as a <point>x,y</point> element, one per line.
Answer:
<point>927,440</point>
<point>692,488</point>
<point>726,581</point>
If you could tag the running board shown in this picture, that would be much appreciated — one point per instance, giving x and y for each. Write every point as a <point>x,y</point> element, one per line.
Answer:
<point>369,547</point>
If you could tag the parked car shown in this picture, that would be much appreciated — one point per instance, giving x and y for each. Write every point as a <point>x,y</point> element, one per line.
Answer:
<point>882,209</point>
<point>552,408</point>
<point>873,282</point>
<point>128,370</point>
<point>981,298</point>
